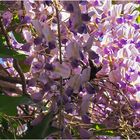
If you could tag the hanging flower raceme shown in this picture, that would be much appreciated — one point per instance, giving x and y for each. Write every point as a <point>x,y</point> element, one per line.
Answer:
<point>82,60</point>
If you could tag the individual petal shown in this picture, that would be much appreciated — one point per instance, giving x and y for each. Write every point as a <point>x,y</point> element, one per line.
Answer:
<point>86,119</point>
<point>37,26</point>
<point>27,35</point>
<point>104,71</point>
<point>7,17</point>
<point>69,91</point>
<point>37,97</point>
<point>47,32</point>
<point>90,89</point>
<point>129,7</point>
<point>73,50</point>
<point>116,10</point>
<point>85,76</point>
<point>29,9</point>
<point>68,107</point>
<point>85,103</point>
<point>138,96</point>
<point>43,77</point>
<point>106,5</point>
<point>76,15</point>
<point>89,42</point>
<point>62,70</point>
<point>75,82</point>
<point>37,120</point>
<point>115,75</point>
<point>84,134</point>
<point>26,47</point>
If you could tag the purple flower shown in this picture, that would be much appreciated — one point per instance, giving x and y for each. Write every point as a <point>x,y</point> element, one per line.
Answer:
<point>70,8</point>
<point>7,17</point>
<point>93,55</point>
<point>38,41</point>
<point>65,99</point>
<point>138,59</point>
<point>29,60</point>
<point>136,26</point>
<point>51,45</point>
<point>83,2</point>
<point>85,17</point>
<point>31,82</point>
<point>123,41</point>
<point>59,100</point>
<point>97,20</point>
<point>48,2</point>
<point>106,50</point>
<point>68,107</point>
<point>25,20</point>
<point>74,63</point>
<point>37,120</point>
<point>84,134</point>
<point>138,88</point>
<point>82,29</point>
<point>129,17</point>
<point>64,41</point>
<point>138,45</point>
<point>37,97</point>
<point>95,3</point>
<point>49,67</point>
<point>81,55</point>
<point>37,67</point>
<point>47,86</point>
<point>90,89</point>
<point>103,16</point>
<point>85,119</point>
<point>69,91</point>
<point>120,20</point>
<point>26,47</point>
<point>122,84</point>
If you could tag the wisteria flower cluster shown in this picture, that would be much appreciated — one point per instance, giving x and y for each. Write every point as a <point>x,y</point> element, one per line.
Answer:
<point>81,68</point>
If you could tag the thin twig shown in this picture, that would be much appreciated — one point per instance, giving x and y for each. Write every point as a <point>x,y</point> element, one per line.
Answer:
<point>4,32</point>
<point>60,59</point>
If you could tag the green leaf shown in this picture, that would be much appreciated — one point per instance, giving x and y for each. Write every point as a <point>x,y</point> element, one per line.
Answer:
<point>16,18</point>
<point>4,123</point>
<point>19,37</point>
<point>98,126</point>
<point>6,135</point>
<point>138,19</point>
<point>105,133</point>
<point>99,129</point>
<point>138,9</point>
<point>2,40</point>
<point>9,53</point>
<point>41,130</point>
<point>25,67</point>
<point>8,104</point>
<point>2,7</point>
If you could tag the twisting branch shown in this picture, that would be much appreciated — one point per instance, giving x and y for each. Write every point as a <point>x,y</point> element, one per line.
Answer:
<point>10,79</point>
<point>7,87</point>
<point>15,63</point>
<point>18,69</point>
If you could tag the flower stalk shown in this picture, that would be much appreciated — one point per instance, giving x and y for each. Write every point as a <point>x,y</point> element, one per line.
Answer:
<point>61,118</point>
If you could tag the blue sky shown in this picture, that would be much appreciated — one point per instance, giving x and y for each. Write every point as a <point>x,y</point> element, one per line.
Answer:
<point>1,61</point>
